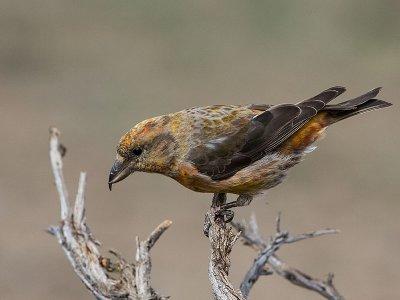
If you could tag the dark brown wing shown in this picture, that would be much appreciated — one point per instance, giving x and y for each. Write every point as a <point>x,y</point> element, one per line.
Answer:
<point>222,157</point>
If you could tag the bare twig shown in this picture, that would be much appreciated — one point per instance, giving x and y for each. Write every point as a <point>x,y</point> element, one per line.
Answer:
<point>251,237</point>
<point>257,268</point>
<point>104,278</point>
<point>56,166</point>
<point>143,261</point>
<point>323,287</point>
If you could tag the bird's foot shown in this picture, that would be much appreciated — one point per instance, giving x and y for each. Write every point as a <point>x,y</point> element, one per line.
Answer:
<point>226,214</point>
<point>221,211</point>
<point>220,208</point>
<point>219,215</point>
<point>218,212</point>
<point>242,200</point>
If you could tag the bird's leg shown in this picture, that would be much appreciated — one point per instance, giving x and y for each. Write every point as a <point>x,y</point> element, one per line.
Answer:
<point>218,200</point>
<point>222,210</point>
<point>242,200</point>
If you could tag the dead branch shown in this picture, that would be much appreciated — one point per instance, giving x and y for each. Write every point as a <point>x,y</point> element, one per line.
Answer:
<point>106,279</point>
<point>251,237</point>
<point>115,278</point>
<point>258,266</point>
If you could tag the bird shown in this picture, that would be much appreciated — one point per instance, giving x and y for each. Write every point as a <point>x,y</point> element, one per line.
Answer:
<point>234,149</point>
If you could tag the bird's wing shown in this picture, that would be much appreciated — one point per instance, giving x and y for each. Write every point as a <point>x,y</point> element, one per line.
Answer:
<point>221,157</point>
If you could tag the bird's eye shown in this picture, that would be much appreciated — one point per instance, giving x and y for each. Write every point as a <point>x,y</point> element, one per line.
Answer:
<point>137,151</point>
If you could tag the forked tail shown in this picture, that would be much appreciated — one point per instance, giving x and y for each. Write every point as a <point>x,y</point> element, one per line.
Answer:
<point>355,106</point>
<point>306,130</point>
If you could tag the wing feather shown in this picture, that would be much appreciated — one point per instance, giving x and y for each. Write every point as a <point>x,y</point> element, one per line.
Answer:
<point>222,157</point>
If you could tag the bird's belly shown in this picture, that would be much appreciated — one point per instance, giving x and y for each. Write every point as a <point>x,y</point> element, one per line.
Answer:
<point>261,175</point>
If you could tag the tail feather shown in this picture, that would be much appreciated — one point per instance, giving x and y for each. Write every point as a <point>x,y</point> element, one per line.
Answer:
<point>316,114</point>
<point>355,106</point>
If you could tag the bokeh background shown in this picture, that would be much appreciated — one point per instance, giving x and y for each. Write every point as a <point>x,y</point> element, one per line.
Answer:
<point>95,68</point>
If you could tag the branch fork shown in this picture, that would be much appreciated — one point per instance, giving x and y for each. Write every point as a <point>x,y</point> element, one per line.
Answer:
<point>250,236</point>
<point>105,278</point>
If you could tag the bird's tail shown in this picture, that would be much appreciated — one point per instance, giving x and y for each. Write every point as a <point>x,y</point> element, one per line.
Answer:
<point>355,106</point>
<point>329,114</point>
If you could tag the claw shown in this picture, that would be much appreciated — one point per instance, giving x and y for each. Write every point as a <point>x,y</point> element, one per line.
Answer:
<point>226,214</point>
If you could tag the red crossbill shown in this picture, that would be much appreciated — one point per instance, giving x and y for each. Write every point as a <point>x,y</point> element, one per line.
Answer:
<point>239,149</point>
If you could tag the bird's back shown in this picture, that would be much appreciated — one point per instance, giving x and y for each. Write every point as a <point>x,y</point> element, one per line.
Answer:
<point>199,125</point>
<point>211,122</point>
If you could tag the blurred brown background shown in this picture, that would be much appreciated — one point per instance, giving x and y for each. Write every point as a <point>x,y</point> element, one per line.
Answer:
<point>95,68</point>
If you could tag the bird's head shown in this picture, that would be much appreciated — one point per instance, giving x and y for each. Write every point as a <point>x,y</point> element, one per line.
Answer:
<point>147,147</point>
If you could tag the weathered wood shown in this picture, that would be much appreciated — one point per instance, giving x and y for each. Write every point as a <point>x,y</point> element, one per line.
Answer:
<point>106,279</point>
<point>250,236</point>
<point>222,240</point>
